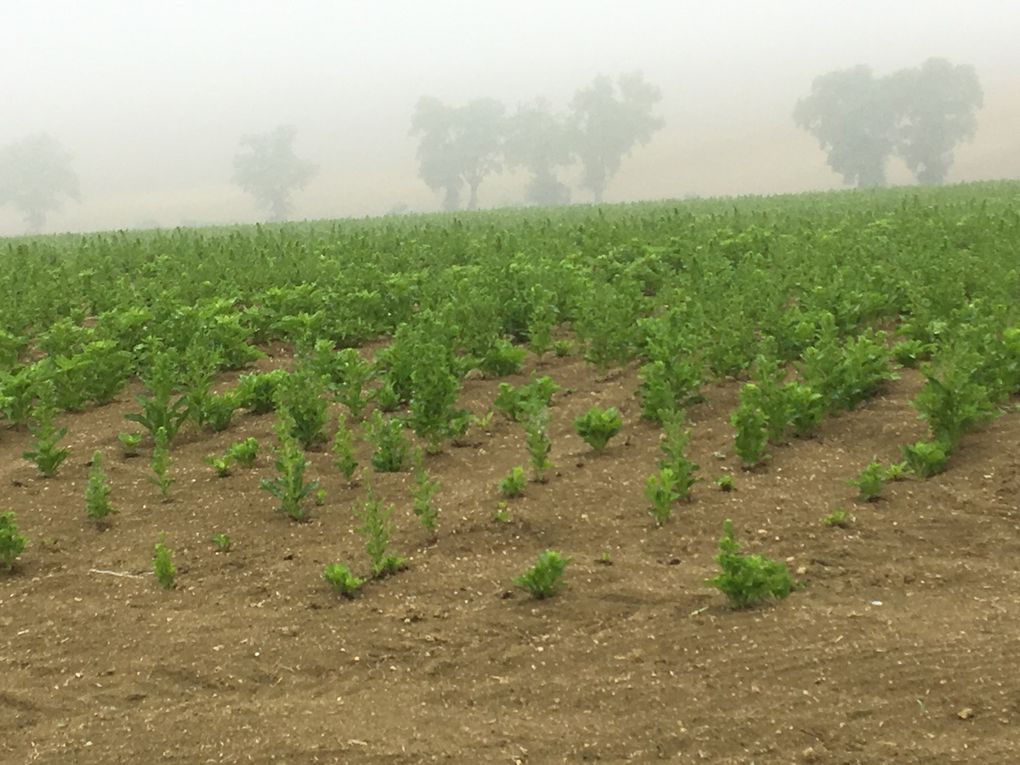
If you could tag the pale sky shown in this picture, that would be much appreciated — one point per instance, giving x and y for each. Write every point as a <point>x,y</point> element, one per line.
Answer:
<point>151,98</point>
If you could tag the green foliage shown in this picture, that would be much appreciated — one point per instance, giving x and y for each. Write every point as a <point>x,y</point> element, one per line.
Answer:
<point>129,443</point>
<point>661,492</point>
<point>159,408</point>
<point>392,448</point>
<point>597,426</point>
<point>433,398</point>
<point>377,528</point>
<point>911,352</point>
<point>545,578</point>
<point>354,374</point>
<point>290,486</point>
<point>424,492</point>
<point>725,482</point>
<point>221,542</point>
<point>952,402</point>
<point>198,369</point>
<point>837,518</point>
<point>845,374</point>
<point>12,543</point>
<point>519,403</point>
<point>540,326</point>
<point>343,450</point>
<point>563,348</point>
<point>160,464</point>
<point>513,484</point>
<point>163,564</point>
<point>805,408</point>
<point>97,492</point>
<point>45,453</point>
<point>257,391</point>
<point>342,580</point>
<point>752,428</point>
<point>223,465</point>
<point>218,411</point>
<point>539,445</point>
<point>243,452</point>
<point>870,481</point>
<point>300,394</point>
<point>748,579</point>
<point>502,359</point>
<point>926,458</point>
<point>673,446</point>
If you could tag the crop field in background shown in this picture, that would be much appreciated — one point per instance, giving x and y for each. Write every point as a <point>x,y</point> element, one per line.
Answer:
<point>722,481</point>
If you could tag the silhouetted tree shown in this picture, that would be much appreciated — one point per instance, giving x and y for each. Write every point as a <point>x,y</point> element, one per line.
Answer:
<point>608,120</point>
<point>35,173</point>
<point>540,142</point>
<point>459,145</point>
<point>270,171</point>
<point>936,107</point>
<point>851,114</point>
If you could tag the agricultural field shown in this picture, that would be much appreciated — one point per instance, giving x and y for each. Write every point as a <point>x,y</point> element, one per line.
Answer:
<point>722,481</point>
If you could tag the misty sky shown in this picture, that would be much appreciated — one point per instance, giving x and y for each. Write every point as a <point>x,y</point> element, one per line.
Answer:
<point>152,97</point>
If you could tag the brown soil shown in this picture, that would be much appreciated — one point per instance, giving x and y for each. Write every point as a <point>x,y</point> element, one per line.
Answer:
<point>901,647</point>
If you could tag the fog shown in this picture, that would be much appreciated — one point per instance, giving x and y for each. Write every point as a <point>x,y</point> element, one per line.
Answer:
<point>152,98</point>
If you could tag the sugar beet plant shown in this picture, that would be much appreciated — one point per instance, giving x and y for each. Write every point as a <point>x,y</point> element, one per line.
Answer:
<point>12,543</point>
<point>748,579</point>
<point>597,426</point>
<point>160,407</point>
<point>97,493</point>
<point>545,578</point>
<point>377,528</point>
<point>343,450</point>
<point>342,580</point>
<point>392,448</point>
<point>300,393</point>
<point>45,453</point>
<point>163,564</point>
<point>160,464</point>
<point>539,444</point>
<point>425,491</point>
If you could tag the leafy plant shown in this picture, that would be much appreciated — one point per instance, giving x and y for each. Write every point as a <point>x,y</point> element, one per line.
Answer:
<point>424,492</point>
<point>243,452</point>
<point>952,402</point>
<point>12,543</point>
<point>545,578</point>
<point>97,492</point>
<point>748,579</point>
<point>433,398</point>
<point>376,528</point>
<point>513,484</point>
<point>290,486</point>
<point>725,482</point>
<point>45,453</point>
<point>218,411</point>
<point>391,446</point>
<point>502,359</point>
<point>354,373</point>
<point>129,443</point>
<point>160,464</point>
<point>518,403</point>
<point>163,564</point>
<point>539,444</point>
<point>222,542</point>
<point>752,429</point>
<point>257,391</point>
<point>926,458</point>
<point>597,426</point>
<point>563,348</point>
<point>840,518</point>
<point>343,450</point>
<point>159,408</point>
<point>342,580</point>
<point>300,394</point>
<point>673,447</point>
<point>222,464</point>
<point>870,481</point>
<point>661,492</point>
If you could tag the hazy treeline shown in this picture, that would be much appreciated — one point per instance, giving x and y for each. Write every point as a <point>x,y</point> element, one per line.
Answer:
<point>919,115</point>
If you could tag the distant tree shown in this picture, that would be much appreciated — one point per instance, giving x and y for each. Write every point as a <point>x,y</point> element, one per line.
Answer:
<point>459,145</point>
<point>35,173</point>
<point>851,114</point>
<point>936,105</point>
<point>269,170</point>
<point>608,120</point>
<point>540,142</point>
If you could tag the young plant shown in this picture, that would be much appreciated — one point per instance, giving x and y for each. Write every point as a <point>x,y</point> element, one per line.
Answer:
<point>45,454</point>
<point>926,458</point>
<point>952,402</point>
<point>869,482</point>
<point>129,444</point>
<point>300,393</point>
<point>221,542</point>
<point>243,452</point>
<point>163,564</point>
<point>748,579</point>
<point>376,528</point>
<point>12,543</point>
<point>355,373</point>
<point>222,464</point>
<point>597,426</point>
<point>257,391</point>
<point>425,491</point>
<point>518,404</point>
<point>159,408</point>
<point>433,398</point>
<point>545,578</point>
<point>502,359</point>
<point>673,447</point>
<point>160,464</point>
<point>97,493</point>
<point>391,446</point>
<point>343,450</point>
<point>563,348</point>
<point>539,444</point>
<point>661,492</point>
<point>289,486</point>
<point>837,518</point>
<point>513,484</point>
<point>752,429</point>
<point>219,410</point>
<point>725,482</point>
<point>342,580</point>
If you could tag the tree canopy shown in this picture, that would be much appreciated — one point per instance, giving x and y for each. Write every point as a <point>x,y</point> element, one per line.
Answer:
<point>268,169</point>
<point>35,176</point>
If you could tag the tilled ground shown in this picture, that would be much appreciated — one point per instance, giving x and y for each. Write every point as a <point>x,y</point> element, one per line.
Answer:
<point>901,646</point>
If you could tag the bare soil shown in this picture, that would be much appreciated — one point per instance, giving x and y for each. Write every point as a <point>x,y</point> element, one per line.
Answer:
<point>900,647</point>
